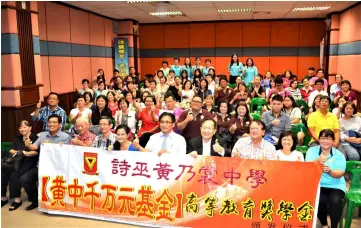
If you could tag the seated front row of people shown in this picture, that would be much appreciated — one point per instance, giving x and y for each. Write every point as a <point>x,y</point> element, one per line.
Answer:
<point>252,146</point>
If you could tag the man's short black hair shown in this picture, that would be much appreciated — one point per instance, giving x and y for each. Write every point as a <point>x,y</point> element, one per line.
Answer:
<point>325,98</point>
<point>311,68</point>
<point>168,95</point>
<point>110,121</point>
<point>260,123</point>
<point>55,116</point>
<point>279,80</point>
<point>277,97</point>
<point>319,81</point>
<point>85,80</point>
<point>53,93</point>
<point>80,96</point>
<point>115,71</point>
<point>171,115</point>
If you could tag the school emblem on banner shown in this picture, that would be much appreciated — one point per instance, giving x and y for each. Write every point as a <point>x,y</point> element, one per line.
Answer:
<point>90,163</point>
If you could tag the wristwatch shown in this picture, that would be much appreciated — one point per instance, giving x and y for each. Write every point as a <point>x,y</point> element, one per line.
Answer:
<point>329,172</point>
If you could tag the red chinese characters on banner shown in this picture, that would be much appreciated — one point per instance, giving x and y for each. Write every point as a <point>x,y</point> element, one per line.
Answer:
<point>167,206</point>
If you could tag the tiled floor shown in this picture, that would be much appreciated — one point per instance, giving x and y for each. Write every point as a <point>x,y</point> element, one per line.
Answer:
<point>36,219</point>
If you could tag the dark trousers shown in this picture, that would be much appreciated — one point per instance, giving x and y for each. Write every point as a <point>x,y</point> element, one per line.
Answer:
<point>330,203</point>
<point>11,177</point>
<point>28,181</point>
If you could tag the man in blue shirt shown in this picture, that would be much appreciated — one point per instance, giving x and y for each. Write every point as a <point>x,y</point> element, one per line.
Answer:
<point>55,136</point>
<point>42,114</point>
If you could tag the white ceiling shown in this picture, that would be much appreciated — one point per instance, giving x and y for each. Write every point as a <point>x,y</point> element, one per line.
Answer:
<point>208,10</point>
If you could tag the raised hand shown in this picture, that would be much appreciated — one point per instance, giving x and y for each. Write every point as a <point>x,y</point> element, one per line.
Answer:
<point>217,148</point>
<point>38,105</point>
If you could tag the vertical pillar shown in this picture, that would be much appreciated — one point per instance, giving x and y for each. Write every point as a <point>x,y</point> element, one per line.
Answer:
<point>333,49</point>
<point>20,57</point>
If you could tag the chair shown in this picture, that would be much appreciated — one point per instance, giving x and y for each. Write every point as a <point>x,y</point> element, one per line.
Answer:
<point>68,124</point>
<point>303,105</point>
<point>256,116</point>
<point>232,86</point>
<point>143,140</point>
<point>257,102</point>
<point>6,146</point>
<point>353,195</point>
<point>302,149</point>
<point>249,85</point>
<point>295,128</point>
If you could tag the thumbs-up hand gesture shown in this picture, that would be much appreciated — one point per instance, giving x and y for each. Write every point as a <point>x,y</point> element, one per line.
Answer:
<point>217,148</point>
<point>136,142</point>
<point>276,122</point>
<point>193,154</point>
<point>79,114</point>
<point>322,159</point>
<point>38,105</point>
<point>190,116</point>
<point>75,140</point>
<point>27,142</point>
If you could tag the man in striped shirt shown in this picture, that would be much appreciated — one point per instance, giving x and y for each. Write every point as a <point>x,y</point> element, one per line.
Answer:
<point>254,146</point>
<point>42,114</point>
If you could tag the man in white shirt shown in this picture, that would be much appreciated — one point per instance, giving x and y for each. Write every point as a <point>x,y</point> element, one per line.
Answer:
<point>336,87</point>
<point>318,90</point>
<point>80,111</point>
<point>166,141</point>
<point>206,144</point>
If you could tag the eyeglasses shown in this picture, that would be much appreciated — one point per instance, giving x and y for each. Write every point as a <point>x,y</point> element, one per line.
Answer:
<point>196,101</point>
<point>255,129</point>
<point>53,122</point>
<point>166,122</point>
<point>326,139</point>
<point>207,129</point>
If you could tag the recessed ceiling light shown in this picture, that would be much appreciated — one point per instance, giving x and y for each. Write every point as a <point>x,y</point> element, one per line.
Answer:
<point>171,13</point>
<point>315,8</point>
<point>245,10</point>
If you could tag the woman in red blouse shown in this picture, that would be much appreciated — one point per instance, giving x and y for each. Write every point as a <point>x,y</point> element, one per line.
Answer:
<point>112,103</point>
<point>148,116</point>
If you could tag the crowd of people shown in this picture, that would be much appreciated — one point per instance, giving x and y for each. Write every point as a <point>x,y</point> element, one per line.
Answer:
<point>189,109</point>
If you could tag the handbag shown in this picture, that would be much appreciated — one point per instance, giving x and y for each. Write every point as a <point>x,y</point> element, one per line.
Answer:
<point>12,161</point>
<point>356,135</point>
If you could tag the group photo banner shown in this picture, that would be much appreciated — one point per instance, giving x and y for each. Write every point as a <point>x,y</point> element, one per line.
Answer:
<point>140,188</point>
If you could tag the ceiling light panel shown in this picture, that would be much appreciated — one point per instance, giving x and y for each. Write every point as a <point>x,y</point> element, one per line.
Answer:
<point>244,10</point>
<point>312,8</point>
<point>170,13</point>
